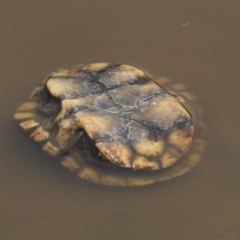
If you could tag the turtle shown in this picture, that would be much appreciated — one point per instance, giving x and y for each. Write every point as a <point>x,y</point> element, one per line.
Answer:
<point>112,124</point>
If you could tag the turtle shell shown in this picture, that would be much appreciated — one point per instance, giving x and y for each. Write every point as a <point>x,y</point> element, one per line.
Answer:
<point>113,125</point>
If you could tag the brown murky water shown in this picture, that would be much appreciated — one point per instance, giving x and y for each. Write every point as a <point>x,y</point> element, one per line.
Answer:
<point>193,42</point>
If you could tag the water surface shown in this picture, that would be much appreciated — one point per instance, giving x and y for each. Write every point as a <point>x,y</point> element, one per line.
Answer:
<point>192,42</point>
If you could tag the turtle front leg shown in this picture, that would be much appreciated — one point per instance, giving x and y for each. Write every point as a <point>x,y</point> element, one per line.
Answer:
<point>68,133</point>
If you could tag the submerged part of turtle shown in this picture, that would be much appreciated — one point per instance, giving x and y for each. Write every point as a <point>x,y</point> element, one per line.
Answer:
<point>104,121</point>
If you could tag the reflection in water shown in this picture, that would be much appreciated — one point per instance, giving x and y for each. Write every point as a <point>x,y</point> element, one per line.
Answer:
<point>194,44</point>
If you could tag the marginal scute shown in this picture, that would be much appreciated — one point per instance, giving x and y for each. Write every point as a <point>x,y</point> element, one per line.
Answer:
<point>130,72</point>
<point>62,88</point>
<point>23,115</point>
<point>113,125</point>
<point>29,124</point>
<point>112,180</point>
<point>167,160</point>
<point>149,148</point>
<point>189,95</point>
<point>143,163</point>
<point>28,106</point>
<point>182,138</point>
<point>178,86</point>
<point>64,73</point>
<point>35,92</point>
<point>140,181</point>
<point>116,152</point>
<point>89,174</point>
<point>70,163</point>
<point>51,149</point>
<point>39,135</point>
<point>199,144</point>
<point>95,66</point>
<point>194,158</point>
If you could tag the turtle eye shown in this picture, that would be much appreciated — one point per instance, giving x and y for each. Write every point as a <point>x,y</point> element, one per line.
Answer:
<point>48,107</point>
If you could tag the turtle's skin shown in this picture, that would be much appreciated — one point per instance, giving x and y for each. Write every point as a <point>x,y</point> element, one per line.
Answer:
<point>112,124</point>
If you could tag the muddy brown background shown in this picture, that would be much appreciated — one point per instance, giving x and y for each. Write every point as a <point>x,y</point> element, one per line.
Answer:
<point>193,42</point>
